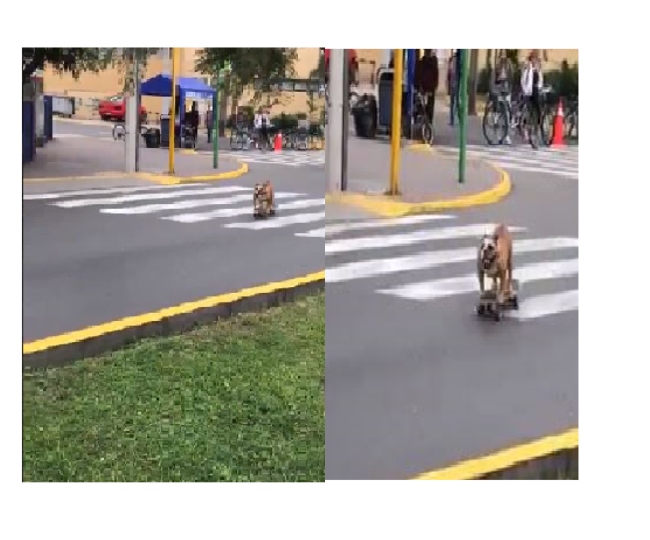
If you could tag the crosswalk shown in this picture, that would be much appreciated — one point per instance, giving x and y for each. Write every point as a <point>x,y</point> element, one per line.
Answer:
<point>231,207</point>
<point>561,162</point>
<point>289,158</point>
<point>430,258</point>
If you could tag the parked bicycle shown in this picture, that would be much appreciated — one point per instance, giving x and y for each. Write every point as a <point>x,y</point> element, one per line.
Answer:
<point>571,118</point>
<point>243,138</point>
<point>421,120</point>
<point>503,116</point>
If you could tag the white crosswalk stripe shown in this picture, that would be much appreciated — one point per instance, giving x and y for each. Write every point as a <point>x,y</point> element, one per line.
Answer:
<point>433,262</point>
<point>561,162</point>
<point>290,158</point>
<point>229,207</point>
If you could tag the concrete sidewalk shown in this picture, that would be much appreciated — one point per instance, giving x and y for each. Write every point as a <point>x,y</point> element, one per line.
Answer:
<point>86,157</point>
<point>428,181</point>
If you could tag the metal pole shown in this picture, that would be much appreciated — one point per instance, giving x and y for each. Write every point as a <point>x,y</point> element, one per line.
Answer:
<point>345,121</point>
<point>131,118</point>
<point>137,98</point>
<point>462,96</point>
<point>172,116</point>
<point>333,146</point>
<point>215,125</point>
<point>396,122</point>
<point>166,69</point>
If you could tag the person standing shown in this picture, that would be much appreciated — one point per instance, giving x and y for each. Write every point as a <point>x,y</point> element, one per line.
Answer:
<point>453,78</point>
<point>262,127</point>
<point>503,77</point>
<point>426,80</point>
<point>532,81</point>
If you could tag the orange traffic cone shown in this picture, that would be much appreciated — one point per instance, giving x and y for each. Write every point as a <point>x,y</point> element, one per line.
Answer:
<point>277,142</point>
<point>558,127</point>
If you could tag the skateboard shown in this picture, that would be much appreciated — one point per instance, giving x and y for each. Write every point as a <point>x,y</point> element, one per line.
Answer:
<point>489,307</point>
<point>263,209</point>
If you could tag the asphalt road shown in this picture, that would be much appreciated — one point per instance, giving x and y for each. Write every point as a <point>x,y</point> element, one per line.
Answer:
<point>95,255</point>
<point>415,380</point>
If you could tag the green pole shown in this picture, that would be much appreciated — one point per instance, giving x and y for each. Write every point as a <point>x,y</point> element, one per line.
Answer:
<point>215,126</point>
<point>462,97</point>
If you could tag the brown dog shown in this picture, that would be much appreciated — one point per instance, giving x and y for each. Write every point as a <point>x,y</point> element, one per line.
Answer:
<point>495,261</point>
<point>264,199</point>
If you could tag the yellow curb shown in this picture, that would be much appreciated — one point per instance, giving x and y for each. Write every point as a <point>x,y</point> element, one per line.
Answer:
<point>186,308</point>
<point>189,152</point>
<point>479,467</point>
<point>173,179</point>
<point>392,207</point>
<point>101,175</point>
<point>421,147</point>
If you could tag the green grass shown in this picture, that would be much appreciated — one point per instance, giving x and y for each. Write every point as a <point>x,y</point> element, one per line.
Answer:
<point>241,400</point>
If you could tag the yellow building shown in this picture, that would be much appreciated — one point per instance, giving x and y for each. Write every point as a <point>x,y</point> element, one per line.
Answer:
<point>92,87</point>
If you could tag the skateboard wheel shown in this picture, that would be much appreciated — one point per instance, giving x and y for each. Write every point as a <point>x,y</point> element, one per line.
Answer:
<point>496,314</point>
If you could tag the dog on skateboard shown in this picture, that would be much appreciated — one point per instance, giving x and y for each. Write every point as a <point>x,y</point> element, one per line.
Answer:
<point>263,199</point>
<point>495,262</point>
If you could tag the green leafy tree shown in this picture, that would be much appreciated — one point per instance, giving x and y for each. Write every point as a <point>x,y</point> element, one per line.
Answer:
<point>247,64</point>
<point>78,60</point>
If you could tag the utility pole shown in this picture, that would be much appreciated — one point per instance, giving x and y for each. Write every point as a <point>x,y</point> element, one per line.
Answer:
<point>334,128</point>
<point>132,133</point>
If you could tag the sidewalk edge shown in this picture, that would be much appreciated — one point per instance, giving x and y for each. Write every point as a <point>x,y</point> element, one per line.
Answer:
<point>102,338</point>
<point>392,207</point>
<point>537,458</point>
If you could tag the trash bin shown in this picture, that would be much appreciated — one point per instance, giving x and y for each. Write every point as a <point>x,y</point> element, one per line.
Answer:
<point>364,114</point>
<point>152,138</point>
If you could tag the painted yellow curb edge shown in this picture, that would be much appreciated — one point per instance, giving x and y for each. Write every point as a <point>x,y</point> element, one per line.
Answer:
<point>182,309</point>
<point>168,179</point>
<point>392,207</point>
<point>476,468</point>
<point>152,177</point>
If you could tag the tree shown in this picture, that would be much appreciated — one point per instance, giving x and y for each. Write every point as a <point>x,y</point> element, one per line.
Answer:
<point>246,64</point>
<point>77,60</point>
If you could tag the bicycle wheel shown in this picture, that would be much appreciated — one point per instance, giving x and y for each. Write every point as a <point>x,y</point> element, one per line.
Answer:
<point>546,126</point>
<point>533,132</point>
<point>118,131</point>
<point>234,137</point>
<point>426,132</point>
<point>495,122</point>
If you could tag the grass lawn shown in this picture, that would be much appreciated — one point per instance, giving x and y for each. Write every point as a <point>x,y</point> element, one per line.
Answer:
<point>241,400</point>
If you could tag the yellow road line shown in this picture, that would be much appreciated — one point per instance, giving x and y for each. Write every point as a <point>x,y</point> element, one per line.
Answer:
<point>476,468</point>
<point>182,309</point>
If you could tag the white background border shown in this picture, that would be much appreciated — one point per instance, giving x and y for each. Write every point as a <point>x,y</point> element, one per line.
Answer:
<point>614,323</point>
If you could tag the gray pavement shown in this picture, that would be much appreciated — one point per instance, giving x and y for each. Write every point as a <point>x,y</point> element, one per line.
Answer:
<point>424,176</point>
<point>93,255</point>
<point>415,381</point>
<point>65,157</point>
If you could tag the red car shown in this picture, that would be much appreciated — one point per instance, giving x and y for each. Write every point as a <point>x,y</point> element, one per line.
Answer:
<point>113,109</point>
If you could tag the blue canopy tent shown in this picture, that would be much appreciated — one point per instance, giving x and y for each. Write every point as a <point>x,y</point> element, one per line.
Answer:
<point>186,87</point>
